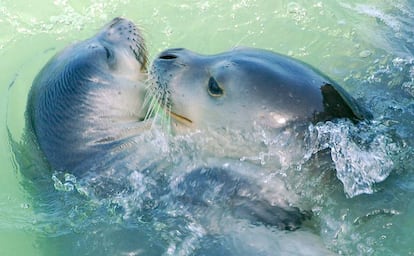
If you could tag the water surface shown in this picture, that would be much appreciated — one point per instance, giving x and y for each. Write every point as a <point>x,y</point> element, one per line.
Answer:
<point>367,46</point>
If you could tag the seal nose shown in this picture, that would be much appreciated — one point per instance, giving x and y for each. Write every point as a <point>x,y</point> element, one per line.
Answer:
<point>167,56</point>
<point>170,54</point>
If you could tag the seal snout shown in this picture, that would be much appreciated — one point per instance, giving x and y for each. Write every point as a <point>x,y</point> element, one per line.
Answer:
<point>123,34</point>
<point>116,21</point>
<point>120,29</point>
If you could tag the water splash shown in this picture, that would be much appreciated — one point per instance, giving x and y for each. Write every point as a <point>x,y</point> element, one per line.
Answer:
<point>361,154</point>
<point>66,183</point>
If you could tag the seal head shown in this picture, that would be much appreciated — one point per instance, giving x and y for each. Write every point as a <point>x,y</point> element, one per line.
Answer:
<point>243,87</point>
<point>89,96</point>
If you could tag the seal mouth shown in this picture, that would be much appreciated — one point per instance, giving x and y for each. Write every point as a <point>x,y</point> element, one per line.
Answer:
<point>180,118</point>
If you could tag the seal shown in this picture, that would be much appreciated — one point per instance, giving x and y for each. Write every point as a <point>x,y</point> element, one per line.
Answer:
<point>88,98</point>
<point>87,110</point>
<point>246,86</point>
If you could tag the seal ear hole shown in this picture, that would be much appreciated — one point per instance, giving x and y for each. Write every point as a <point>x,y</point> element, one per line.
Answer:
<point>214,89</point>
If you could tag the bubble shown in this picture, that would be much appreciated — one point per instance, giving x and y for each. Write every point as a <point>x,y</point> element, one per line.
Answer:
<point>293,7</point>
<point>66,183</point>
<point>365,54</point>
<point>25,206</point>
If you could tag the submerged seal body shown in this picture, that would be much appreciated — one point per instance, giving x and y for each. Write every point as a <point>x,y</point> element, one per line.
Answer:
<point>89,96</point>
<point>246,86</point>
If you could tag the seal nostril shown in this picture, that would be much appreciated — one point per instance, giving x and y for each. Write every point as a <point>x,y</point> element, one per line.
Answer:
<point>168,56</point>
<point>108,52</point>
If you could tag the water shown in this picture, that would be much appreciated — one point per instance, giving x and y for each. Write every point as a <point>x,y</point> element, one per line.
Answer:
<point>367,46</point>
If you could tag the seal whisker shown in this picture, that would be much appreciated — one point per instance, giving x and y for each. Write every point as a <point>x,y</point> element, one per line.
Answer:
<point>151,108</point>
<point>166,107</point>
<point>158,103</point>
<point>150,101</point>
<point>156,109</point>
<point>168,119</point>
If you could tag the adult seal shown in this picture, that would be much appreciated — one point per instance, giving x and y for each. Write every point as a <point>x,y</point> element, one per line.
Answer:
<point>243,87</point>
<point>86,109</point>
<point>88,98</point>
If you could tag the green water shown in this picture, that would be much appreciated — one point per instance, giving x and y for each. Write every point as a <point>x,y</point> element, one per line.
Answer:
<point>364,45</point>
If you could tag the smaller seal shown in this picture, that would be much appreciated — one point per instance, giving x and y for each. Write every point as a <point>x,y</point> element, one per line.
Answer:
<point>88,98</point>
<point>246,86</point>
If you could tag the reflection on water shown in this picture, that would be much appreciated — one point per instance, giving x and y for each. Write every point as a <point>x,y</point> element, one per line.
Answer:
<point>361,199</point>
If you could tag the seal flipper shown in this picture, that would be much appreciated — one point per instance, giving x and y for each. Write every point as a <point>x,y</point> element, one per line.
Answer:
<point>262,212</point>
<point>204,187</point>
<point>339,104</point>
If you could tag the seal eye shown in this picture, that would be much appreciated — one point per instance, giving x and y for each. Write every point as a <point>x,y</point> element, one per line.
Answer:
<point>214,88</point>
